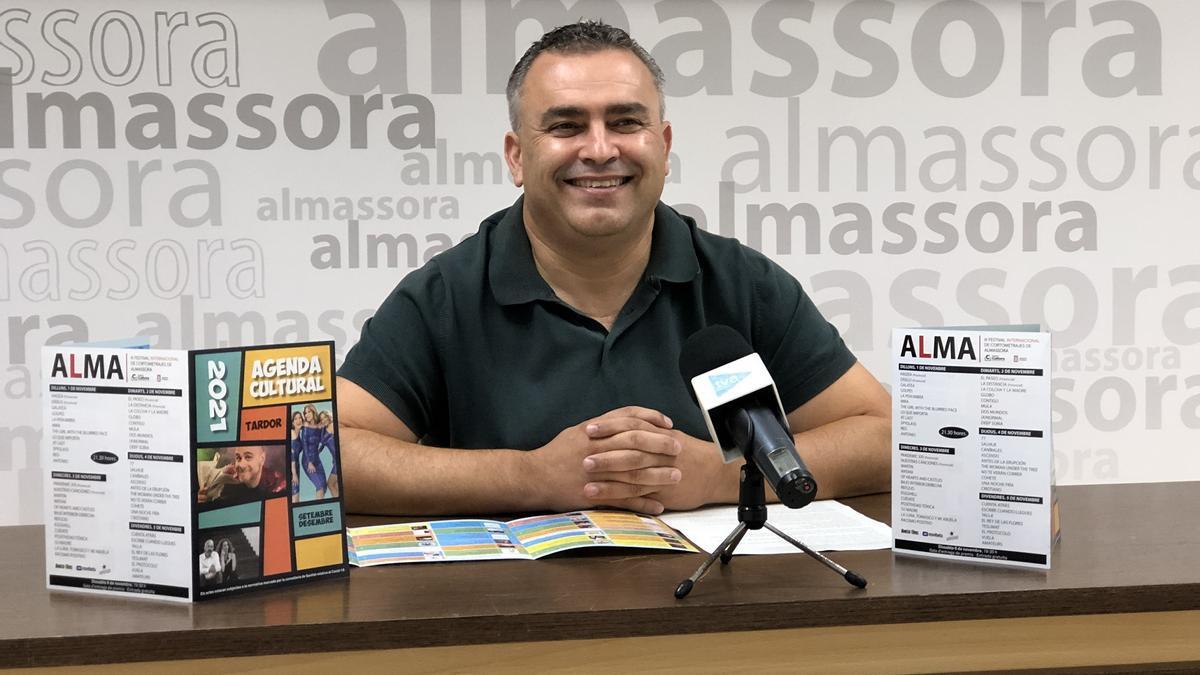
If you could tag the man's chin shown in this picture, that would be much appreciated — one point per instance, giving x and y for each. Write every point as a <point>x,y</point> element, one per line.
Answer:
<point>599,230</point>
<point>600,222</point>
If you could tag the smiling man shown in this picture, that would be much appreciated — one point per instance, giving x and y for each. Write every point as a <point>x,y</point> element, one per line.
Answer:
<point>533,366</point>
<point>253,475</point>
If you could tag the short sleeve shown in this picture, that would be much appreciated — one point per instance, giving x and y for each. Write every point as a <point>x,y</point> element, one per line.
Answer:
<point>396,358</point>
<point>802,350</point>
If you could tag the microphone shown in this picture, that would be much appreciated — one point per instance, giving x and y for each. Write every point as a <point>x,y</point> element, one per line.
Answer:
<point>741,406</point>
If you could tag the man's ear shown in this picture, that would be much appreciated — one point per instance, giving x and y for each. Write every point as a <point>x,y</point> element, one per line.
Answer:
<point>512,155</point>
<point>666,132</point>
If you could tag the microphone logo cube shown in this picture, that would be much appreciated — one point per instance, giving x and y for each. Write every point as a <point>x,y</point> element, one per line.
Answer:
<point>724,382</point>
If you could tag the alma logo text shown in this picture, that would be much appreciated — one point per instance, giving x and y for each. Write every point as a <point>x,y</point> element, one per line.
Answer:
<point>943,346</point>
<point>89,366</point>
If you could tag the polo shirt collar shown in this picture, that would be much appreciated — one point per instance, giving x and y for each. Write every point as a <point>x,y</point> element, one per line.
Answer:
<point>514,277</point>
<point>511,270</point>
<point>672,253</point>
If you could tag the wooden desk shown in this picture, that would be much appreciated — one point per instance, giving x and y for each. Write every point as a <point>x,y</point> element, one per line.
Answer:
<point>1125,588</point>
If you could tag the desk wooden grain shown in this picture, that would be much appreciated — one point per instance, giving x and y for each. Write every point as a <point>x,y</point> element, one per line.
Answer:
<point>1144,642</point>
<point>1126,549</point>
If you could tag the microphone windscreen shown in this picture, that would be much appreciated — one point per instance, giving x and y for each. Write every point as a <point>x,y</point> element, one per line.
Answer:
<point>710,348</point>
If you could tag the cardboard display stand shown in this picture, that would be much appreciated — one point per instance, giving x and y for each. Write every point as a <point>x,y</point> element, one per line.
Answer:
<point>972,448</point>
<point>189,474</point>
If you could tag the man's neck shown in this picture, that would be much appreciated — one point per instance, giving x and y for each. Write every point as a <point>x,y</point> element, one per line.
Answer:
<point>595,277</point>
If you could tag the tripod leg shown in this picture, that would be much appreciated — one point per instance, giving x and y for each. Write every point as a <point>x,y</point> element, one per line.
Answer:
<point>849,576</point>
<point>727,554</point>
<point>685,586</point>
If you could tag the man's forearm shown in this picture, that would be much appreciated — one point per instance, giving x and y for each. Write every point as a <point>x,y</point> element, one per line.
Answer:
<point>850,456</point>
<point>386,475</point>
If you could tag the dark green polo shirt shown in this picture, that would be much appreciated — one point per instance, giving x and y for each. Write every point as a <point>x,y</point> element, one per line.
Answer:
<point>474,350</point>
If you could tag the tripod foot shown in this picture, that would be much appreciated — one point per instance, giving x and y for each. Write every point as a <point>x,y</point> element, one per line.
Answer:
<point>683,588</point>
<point>855,580</point>
<point>730,545</point>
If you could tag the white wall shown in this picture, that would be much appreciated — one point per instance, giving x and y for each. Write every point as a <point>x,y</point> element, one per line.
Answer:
<point>1047,173</point>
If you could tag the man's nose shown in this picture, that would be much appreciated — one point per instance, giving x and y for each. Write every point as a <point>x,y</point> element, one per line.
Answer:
<point>598,145</point>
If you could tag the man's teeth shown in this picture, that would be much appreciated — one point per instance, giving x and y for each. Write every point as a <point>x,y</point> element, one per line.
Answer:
<point>592,183</point>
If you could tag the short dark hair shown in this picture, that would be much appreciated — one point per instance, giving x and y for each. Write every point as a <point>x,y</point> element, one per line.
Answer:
<point>584,37</point>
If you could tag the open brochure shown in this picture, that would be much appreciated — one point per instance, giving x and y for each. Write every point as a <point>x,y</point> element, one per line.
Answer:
<point>525,538</point>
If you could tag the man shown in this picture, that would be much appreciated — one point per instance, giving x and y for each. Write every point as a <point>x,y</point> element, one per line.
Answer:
<point>536,361</point>
<point>254,478</point>
<point>210,565</point>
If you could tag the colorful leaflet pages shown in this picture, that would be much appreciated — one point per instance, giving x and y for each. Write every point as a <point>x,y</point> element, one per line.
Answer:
<point>525,538</point>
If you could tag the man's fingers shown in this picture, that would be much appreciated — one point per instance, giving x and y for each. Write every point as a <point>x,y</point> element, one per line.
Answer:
<point>625,460</point>
<point>603,427</point>
<point>648,414</point>
<point>636,504</point>
<point>655,476</point>
<point>614,490</point>
<point>645,441</point>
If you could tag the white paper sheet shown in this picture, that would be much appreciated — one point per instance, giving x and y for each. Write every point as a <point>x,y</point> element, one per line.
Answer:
<point>824,525</point>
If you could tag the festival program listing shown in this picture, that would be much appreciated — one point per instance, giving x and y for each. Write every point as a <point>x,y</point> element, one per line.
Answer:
<point>118,508</point>
<point>972,474</point>
<point>78,489</point>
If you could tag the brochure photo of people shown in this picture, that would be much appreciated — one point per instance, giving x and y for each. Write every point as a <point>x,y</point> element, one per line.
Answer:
<point>229,556</point>
<point>314,452</point>
<point>243,473</point>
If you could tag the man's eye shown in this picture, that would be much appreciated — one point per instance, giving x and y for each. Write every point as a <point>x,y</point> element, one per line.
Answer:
<point>627,123</point>
<point>564,128</point>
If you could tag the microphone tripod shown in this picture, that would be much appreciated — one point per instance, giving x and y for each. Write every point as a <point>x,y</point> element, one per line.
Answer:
<point>752,515</point>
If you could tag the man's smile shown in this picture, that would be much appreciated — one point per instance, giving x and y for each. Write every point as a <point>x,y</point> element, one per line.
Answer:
<point>598,184</point>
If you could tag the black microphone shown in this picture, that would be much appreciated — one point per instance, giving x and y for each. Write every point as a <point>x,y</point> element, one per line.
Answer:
<point>734,390</point>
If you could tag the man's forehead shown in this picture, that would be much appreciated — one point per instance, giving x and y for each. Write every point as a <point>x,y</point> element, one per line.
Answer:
<point>563,73</point>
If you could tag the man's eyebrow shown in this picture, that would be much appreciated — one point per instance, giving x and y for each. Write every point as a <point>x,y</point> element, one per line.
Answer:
<point>561,111</point>
<point>569,111</point>
<point>633,108</point>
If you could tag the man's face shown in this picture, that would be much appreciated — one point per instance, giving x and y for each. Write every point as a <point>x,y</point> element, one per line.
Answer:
<point>248,463</point>
<point>208,546</point>
<point>591,150</point>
